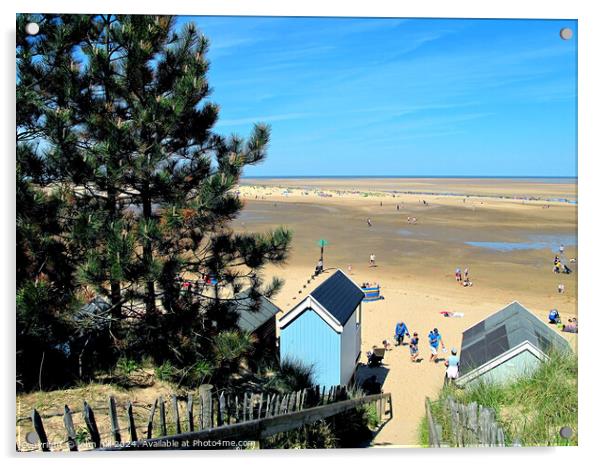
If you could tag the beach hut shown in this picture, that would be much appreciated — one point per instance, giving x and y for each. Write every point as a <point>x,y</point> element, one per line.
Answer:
<point>324,331</point>
<point>506,345</point>
<point>258,319</point>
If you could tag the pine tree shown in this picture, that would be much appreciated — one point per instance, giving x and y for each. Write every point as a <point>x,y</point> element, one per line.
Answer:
<point>149,188</point>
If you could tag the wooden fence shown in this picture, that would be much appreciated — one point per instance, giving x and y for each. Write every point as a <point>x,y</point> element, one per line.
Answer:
<point>214,417</point>
<point>470,425</point>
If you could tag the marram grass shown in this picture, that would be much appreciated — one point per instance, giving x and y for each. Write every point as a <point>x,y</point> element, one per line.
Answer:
<point>531,409</point>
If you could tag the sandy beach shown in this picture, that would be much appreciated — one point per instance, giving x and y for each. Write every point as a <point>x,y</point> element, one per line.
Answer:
<point>505,231</point>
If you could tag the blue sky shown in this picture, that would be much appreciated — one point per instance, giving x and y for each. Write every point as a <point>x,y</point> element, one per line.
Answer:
<point>398,96</point>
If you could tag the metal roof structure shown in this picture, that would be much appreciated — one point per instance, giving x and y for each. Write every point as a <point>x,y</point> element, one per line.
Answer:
<point>339,295</point>
<point>504,330</point>
<point>250,319</point>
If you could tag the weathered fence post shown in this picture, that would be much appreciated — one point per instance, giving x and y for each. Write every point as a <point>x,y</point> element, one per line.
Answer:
<point>176,413</point>
<point>250,408</point>
<point>91,425</point>
<point>70,428</point>
<point>114,421</point>
<point>260,406</point>
<point>162,423</point>
<point>221,410</point>
<point>189,413</point>
<point>149,427</point>
<point>207,406</point>
<point>39,428</point>
<point>244,408</point>
<point>131,423</point>
<point>268,405</point>
<point>434,440</point>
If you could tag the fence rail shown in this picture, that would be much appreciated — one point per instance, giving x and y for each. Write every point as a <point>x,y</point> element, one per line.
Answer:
<point>258,429</point>
<point>216,415</point>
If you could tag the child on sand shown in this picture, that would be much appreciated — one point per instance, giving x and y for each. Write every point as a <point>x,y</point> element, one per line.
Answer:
<point>372,260</point>
<point>387,345</point>
<point>458,274</point>
<point>414,347</point>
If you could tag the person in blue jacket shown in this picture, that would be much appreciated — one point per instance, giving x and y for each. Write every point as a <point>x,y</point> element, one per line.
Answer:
<point>554,316</point>
<point>401,331</point>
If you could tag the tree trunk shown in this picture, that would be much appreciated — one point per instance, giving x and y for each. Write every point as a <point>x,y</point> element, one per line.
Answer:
<point>147,252</point>
<point>115,284</point>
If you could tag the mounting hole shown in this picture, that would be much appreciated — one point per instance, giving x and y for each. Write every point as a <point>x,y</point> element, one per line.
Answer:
<point>566,33</point>
<point>566,432</point>
<point>32,28</point>
<point>32,438</point>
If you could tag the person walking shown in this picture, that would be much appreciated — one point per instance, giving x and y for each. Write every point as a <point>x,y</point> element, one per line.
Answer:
<point>369,222</point>
<point>453,366</point>
<point>372,260</point>
<point>466,274</point>
<point>434,341</point>
<point>458,274</point>
<point>401,331</point>
<point>414,347</point>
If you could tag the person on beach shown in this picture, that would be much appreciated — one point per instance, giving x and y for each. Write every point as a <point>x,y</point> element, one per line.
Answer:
<point>414,347</point>
<point>434,341</point>
<point>557,264</point>
<point>319,267</point>
<point>387,345</point>
<point>561,288</point>
<point>369,222</point>
<point>398,207</point>
<point>372,260</point>
<point>571,327</point>
<point>466,274</point>
<point>453,366</point>
<point>561,249</point>
<point>554,317</point>
<point>401,331</point>
<point>458,274</point>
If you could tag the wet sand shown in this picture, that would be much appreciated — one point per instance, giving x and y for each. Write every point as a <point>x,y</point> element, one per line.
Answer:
<point>514,230</point>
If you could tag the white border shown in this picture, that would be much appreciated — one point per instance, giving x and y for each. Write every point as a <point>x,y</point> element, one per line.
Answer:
<point>590,191</point>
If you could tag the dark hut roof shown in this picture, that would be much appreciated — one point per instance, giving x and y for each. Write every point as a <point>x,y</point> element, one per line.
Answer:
<point>505,330</point>
<point>250,319</point>
<point>339,296</point>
